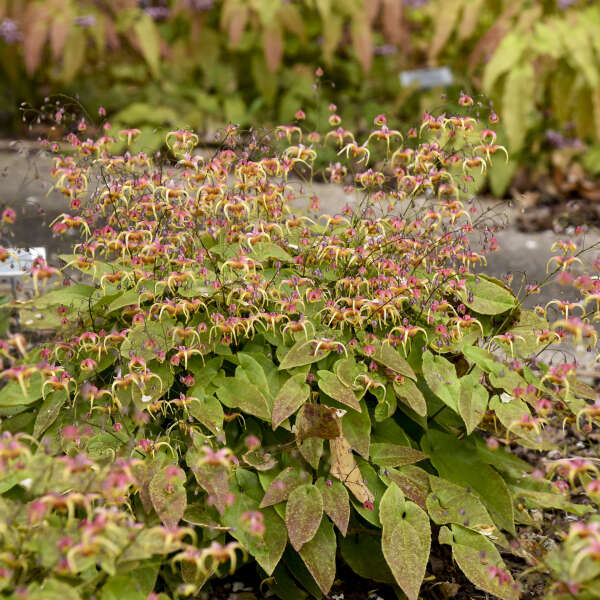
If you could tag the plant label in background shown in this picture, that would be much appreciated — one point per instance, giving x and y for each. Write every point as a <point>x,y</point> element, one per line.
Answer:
<point>427,78</point>
<point>20,260</point>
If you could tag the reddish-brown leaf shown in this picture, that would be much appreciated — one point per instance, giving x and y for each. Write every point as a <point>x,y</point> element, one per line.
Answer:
<point>394,26</point>
<point>372,9</point>
<point>317,420</point>
<point>35,33</point>
<point>273,45</point>
<point>362,41</point>
<point>237,24</point>
<point>58,34</point>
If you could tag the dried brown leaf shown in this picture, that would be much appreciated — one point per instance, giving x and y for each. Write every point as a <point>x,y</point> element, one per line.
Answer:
<point>344,468</point>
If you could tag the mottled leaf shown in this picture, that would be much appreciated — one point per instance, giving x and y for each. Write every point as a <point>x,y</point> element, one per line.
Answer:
<point>268,549</point>
<point>303,513</point>
<point>477,557</point>
<point>411,480</point>
<point>336,503</point>
<point>311,450</point>
<point>472,400</point>
<point>457,461</point>
<point>390,357</point>
<point>412,396</point>
<point>357,430</point>
<point>440,375</point>
<point>405,541</point>
<point>487,295</point>
<point>239,393</point>
<point>347,370</point>
<point>292,395</point>
<point>48,412</point>
<point>283,485</point>
<point>207,409</point>
<point>451,503</point>
<point>259,459</point>
<point>168,495</point>
<point>302,353</point>
<point>394,455</point>
<point>319,555</point>
<point>214,479</point>
<point>332,386</point>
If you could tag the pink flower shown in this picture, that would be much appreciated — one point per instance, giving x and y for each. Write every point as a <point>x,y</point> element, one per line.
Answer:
<point>9,216</point>
<point>138,319</point>
<point>254,521</point>
<point>88,364</point>
<point>70,433</point>
<point>145,444</point>
<point>465,100</point>
<point>335,120</point>
<point>492,443</point>
<point>252,442</point>
<point>369,350</point>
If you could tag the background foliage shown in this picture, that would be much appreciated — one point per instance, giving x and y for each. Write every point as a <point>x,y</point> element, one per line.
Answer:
<point>203,63</point>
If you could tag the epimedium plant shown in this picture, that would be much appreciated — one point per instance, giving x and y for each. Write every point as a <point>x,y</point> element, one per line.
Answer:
<point>230,375</point>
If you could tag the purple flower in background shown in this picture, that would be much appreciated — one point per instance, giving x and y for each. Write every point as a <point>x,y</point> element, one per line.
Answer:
<point>199,4</point>
<point>385,50</point>
<point>158,12</point>
<point>562,4</point>
<point>416,3</point>
<point>558,140</point>
<point>555,138</point>
<point>85,21</point>
<point>9,31</point>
